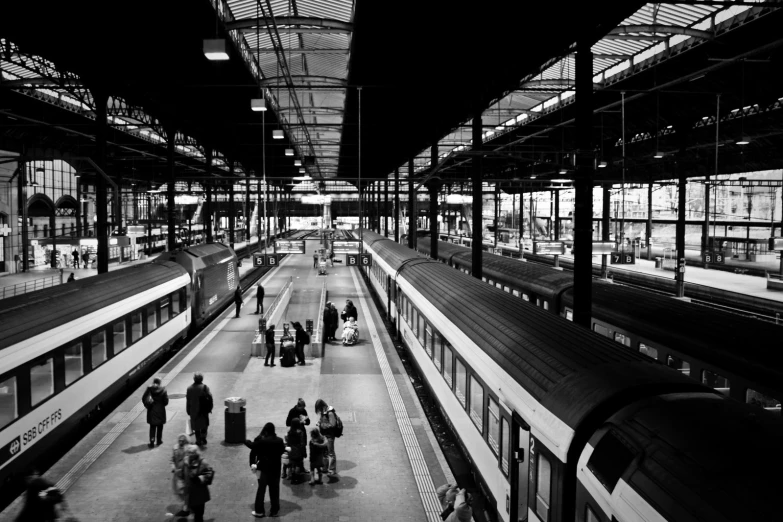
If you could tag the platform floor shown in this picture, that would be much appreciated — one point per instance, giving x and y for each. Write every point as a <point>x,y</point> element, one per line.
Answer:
<point>389,462</point>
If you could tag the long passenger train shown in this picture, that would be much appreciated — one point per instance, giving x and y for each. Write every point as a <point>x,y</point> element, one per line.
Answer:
<point>733,353</point>
<point>562,424</point>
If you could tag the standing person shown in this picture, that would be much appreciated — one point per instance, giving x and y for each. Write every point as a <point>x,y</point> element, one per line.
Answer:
<point>331,257</point>
<point>265,453</point>
<point>155,399</point>
<point>75,256</point>
<point>349,311</point>
<point>287,348</point>
<point>296,446</point>
<point>238,298</point>
<point>178,484</point>
<point>463,512</point>
<point>315,260</point>
<point>199,476</point>
<point>259,298</point>
<point>298,412</point>
<point>302,338</point>
<point>318,451</point>
<point>334,317</point>
<point>330,426</point>
<point>198,407</point>
<point>327,320</point>
<point>71,277</point>
<point>40,499</point>
<point>86,258</point>
<point>269,336</point>
<point>446,494</point>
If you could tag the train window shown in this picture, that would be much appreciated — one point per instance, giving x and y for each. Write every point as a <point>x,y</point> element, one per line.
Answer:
<point>678,364</point>
<point>73,362</point>
<point>543,487</point>
<point>493,429</point>
<point>505,443</point>
<point>538,302</point>
<point>484,279</point>
<point>546,305</point>
<point>462,383</point>
<point>448,363</point>
<point>499,285</point>
<point>624,339</point>
<point>752,397</point>
<point>506,289</point>
<point>569,315</point>
<point>423,338</point>
<point>177,303</point>
<point>98,348</point>
<point>427,338</point>
<point>515,293</point>
<point>41,380</point>
<point>590,515</point>
<point>8,410</point>
<point>136,323</point>
<point>414,321</point>
<point>152,318</point>
<point>526,297</point>
<point>644,349</point>
<point>119,343</point>
<point>165,303</point>
<point>609,460</point>
<point>597,328</point>
<point>716,381</point>
<point>477,404</point>
<point>437,347</point>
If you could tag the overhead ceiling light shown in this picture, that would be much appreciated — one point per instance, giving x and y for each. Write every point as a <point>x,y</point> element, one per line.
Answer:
<point>215,49</point>
<point>533,176</point>
<point>602,165</point>
<point>297,163</point>
<point>303,178</point>
<point>277,134</point>
<point>258,105</point>
<point>289,152</point>
<point>562,171</point>
<point>658,155</point>
<point>743,140</point>
<point>302,170</point>
<point>561,180</point>
<point>499,127</point>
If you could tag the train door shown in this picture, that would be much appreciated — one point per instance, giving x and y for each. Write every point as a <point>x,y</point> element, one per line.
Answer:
<point>520,465</point>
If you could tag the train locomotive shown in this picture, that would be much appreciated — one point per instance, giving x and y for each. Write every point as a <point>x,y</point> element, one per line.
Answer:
<point>560,423</point>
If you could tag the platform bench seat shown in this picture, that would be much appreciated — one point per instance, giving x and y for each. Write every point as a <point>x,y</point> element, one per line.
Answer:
<point>774,282</point>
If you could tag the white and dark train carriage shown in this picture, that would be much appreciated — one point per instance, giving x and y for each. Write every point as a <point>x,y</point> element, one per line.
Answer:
<point>64,350</point>
<point>527,393</point>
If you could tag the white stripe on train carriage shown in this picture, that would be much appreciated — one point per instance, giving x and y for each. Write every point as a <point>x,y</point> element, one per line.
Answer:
<point>421,474</point>
<point>547,427</point>
<point>28,349</point>
<point>631,506</point>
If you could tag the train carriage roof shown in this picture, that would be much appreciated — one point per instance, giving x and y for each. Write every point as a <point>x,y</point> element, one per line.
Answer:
<point>445,249</point>
<point>199,256</point>
<point>25,316</point>
<point>393,253</point>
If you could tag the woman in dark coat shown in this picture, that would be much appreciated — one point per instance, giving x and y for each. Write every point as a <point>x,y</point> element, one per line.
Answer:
<point>349,311</point>
<point>298,412</point>
<point>156,399</point>
<point>199,476</point>
<point>265,453</point>
<point>296,440</point>
<point>334,320</point>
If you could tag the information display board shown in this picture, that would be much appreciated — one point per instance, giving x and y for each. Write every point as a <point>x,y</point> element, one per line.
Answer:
<point>549,247</point>
<point>346,246</point>
<point>289,247</point>
<point>604,247</point>
<point>776,243</point>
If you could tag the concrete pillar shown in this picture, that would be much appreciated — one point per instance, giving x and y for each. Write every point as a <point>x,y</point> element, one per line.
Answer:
<point>475,169</point>
<point>433,188</point>
<point>411,207</point>
<point>78,207</point>
<point>583,184</point>
<point>606,218</point>
<point>101,210</point>
<point>386,207</point>
<point>207,210</point>
<point>170,182</point>
<point>22,206</point>
<point>679,273</point>
<point>247,208</point>
<point>557,223</point>
<point>397,205</point>
<point>497,211</point>
<point>231,211</point>
<point>648,226</point>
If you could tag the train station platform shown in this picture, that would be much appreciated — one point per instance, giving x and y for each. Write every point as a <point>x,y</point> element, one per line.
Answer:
<point>389,463</point>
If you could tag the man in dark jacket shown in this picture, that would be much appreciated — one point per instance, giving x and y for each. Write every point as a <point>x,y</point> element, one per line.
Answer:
<point>298,412</point>
<point>198,407</point>
<point>334,316</point>
<point>265,453</point>
<point>259,298</point>
<point>155,399</point>
<point>238,298</point>
<point>75,255</point>
<point>38,507</point>
<point>199,476</point>
<point>300,340</point>
<point>349,311</point>
<point>269,340</point>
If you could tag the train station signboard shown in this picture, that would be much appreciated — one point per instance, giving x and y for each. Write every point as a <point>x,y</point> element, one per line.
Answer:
<point>713,257</point>
<point>289,247</point>
<point>346,247</point>
<point>623,258</point>
<point>604,247</point>
<point>549,247</point>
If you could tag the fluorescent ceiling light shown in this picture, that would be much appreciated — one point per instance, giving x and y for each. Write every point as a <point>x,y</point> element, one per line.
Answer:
<point>499,127</point>
<point>258,104</point>
<point>533,176</point>
<point>743,141</point>
<point>658,155</point>
<point>602,165</point>
<point>562,171</point>
<point>561,180</point>
<point>303,178</point>
<point>289,152</point>
<point>277,134</point>
<point>302,170</point>
<point>297,163</point>
<point>215,49</point>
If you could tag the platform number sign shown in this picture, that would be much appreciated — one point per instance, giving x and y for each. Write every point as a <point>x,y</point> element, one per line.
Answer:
<point>271,260</point>
<point>713,257</point>
<point>258,260</point>
<point>623,258</point>
<point>365,260</point>
<point>352,260</point>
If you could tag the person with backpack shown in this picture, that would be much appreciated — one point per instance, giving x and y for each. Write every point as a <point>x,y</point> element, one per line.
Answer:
<point>331,427</point>
<point>302,339</point>
<point>155,399</point>
<point>199,476</point>
<point>349,311</point>
<point>266,452</point>
<point>198,407</point>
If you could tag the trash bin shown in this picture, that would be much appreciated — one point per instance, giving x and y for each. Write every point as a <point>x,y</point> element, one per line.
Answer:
<point>235,420</point>
<point>658,262</point>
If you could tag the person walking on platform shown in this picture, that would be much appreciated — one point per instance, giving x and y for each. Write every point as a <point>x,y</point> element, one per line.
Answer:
<point>296,446</point>
<point>178,484</point>
<point>327,319</point>
<point>270,346</point>
<point>238,298</point>
<point>155,399</point>
<point>86,259</point>
<point>198,407</point>
<point>318,451</point>
<point>259,298</point>
<point>298,412</point>
<point>302,338</point>
<point>315,260</point>
<point>199,476</point>
<point>265,455</point>
<point>75,256</point>
<point>331,257</point>
<point>330,426</point>
<point>40,499</point>
<point>349,311</point>
<point>334,321</point>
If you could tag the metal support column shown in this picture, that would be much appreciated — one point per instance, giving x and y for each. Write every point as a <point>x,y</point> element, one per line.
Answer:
<point>101,210</point>
<point>606,222</point>
<point>231,211</point>
<point>680,234</point>
<point>397,205</point>
<point>386,208</point>
<point>79,205</point>
<point>583,185</point>
<point>22,206</point>
<point>478,202</point>
<point>557,223</point>
<point>247,212</point>
<point>433,186</point>
<point>497,212</point>
<point>411,207</point>
<point>207,210</point>
<point>648,227</point>
<point>170,182</point>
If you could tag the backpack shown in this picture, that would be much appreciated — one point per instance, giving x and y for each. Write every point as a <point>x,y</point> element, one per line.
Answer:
<point>337,431</point>
<point>306,337</point>
<point>205,402</point>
